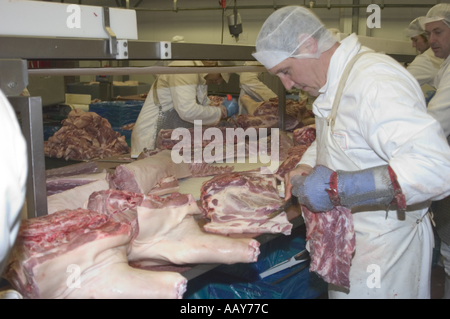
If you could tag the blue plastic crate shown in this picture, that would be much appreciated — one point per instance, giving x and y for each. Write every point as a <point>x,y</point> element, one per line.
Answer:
<point>118,113</point>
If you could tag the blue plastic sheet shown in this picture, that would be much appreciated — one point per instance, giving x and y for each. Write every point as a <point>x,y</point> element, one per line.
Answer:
<point>242,281</point>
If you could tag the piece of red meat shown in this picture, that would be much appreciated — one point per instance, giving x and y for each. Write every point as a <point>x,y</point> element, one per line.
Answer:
<point>305,135</point>
<point>331,239</point>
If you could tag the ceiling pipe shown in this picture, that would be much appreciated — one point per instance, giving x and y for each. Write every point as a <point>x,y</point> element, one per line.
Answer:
<point>316,6</point>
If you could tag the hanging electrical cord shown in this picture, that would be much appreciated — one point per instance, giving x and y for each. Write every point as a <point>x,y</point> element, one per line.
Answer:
<point>223,4</point>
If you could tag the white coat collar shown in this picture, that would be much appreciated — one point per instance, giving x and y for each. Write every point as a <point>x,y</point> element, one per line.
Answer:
<point>349,47</point>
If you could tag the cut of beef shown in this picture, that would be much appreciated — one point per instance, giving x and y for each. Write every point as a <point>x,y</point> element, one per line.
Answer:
<point>240,202</point>
<point>169,233</point>
<point>331,239</point>
<point>82,254</point>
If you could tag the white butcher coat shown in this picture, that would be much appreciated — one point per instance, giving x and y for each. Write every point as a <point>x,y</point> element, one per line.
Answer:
<point>439,105</point>
<point>251,85</point>
<point>382,120</point>
<point>424,67</point>
<point>186,93</point>
<point>13,172</point>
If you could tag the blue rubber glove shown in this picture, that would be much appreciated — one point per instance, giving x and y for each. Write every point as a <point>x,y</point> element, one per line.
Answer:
<point>323,188</point>
<point>231,104</point>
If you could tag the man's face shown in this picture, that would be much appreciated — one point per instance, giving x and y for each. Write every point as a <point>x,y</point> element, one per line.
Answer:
<point>213,78</point>
<point>420,43</point>
<point>439,38</point>
<point>304,74</point>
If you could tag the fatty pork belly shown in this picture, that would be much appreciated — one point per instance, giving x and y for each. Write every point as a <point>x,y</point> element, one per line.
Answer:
<point>83,254</point>
<point>71,192</point>
<point>240,202</point>
<point>169,232</point>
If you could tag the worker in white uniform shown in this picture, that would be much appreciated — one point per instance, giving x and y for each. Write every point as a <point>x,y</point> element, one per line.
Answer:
<point>425,65</point>
<point>176,101</point>
<point>13,172</point>
<point>437,26</point>
<point>251,84</point>
<point>372,129</point>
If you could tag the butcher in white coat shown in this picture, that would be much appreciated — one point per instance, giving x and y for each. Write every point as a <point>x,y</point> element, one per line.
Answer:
<point>437,26</point>
<point>374,138</point>
<point>251,85</point>
<point>13,172</point>
<point>175,101</point>
<point>426,65</point>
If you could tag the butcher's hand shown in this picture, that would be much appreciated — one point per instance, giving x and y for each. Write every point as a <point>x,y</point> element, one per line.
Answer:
<point>223,110</point>
<point>302,169</point>
<point>324,188</point>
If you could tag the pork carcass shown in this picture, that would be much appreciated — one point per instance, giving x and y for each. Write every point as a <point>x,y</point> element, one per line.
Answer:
<point>331,239</point>
<point>83,254</point>
<point>169,233</point>
<point>155,173</point>
<point>239,203</point>
<point>84,136</point>
<point>71,192</point>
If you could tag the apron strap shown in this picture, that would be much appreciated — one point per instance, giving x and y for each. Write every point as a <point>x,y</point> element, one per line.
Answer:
<point>337,99</point>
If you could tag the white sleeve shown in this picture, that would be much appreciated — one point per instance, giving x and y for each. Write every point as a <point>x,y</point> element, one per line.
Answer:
<point>423,70</point>
<point>253,87</point>
<point>310,156</point>
<point>439,106</point>
<point>399,131</point>
<point>13,172</point>
<point>183,89</point>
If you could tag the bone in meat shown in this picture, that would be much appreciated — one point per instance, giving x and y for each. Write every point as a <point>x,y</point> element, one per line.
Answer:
<point>240,202</point>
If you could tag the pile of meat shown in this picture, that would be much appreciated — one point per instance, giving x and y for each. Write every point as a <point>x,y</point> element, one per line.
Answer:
<point>85,136</point>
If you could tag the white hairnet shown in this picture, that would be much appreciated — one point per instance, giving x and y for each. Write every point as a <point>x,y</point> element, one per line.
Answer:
<point>178,38</point>
<point>440,12</point>
<point>415,28</point>
<point>284,32</point>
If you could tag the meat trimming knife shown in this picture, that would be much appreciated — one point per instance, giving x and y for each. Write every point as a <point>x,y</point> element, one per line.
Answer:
<point>283,208</point>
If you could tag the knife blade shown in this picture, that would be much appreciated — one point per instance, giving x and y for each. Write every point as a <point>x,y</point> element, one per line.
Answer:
<point>299,258</point>
<point>283,208</point>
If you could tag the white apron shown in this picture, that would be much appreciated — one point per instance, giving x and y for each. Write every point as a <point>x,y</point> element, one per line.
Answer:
<point>392,258</point>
